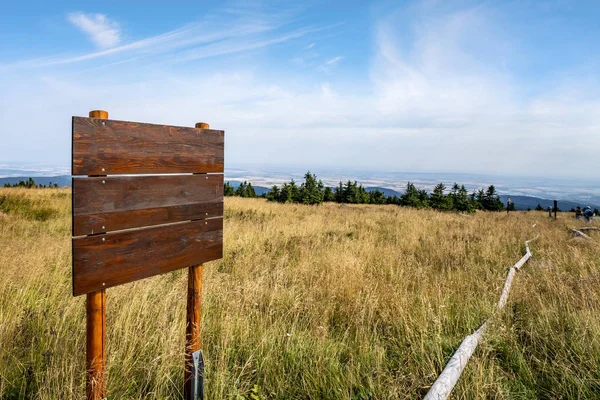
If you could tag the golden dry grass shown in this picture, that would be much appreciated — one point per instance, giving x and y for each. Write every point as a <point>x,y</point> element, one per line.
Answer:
<point>327,302</point>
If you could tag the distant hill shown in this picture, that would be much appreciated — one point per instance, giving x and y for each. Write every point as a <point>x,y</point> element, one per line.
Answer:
<point>259,190</point>
<point>525,202</point>
<point>385,191</point>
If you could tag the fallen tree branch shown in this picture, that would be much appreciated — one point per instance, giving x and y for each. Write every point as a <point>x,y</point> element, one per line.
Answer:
<point>441,388</point>
<point>581,234</point>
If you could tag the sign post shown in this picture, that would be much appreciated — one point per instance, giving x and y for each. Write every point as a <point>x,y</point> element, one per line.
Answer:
<point>147,199</point>
<point>95,343</point>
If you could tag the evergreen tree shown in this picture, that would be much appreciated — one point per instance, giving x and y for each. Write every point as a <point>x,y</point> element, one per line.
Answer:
<point>491,200</point>
<point>245,190</point>
<point>393,200</point>
<point>295,192</point>
<point>377,197</point>
<point>453,195</point>
<point>539,208</point>
<point>285,196</point>
<point>423,198</point>
<point>273,194</point>
<point>338,193</point>
<point>328,194</point>
<point>438,200</point>
<point>228,190</point>
<point>410,197</point>
<point>461,201</point>
<point>250,191</point>
<point>311,191</point>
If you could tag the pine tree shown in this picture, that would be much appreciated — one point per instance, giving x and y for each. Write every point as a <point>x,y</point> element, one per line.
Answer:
<point>423,198</point>
<point>241,189</point>
<point>376,197</point>
<point>339,193</point>
<point>328,194</point>
<point>438,200</point>
<point>491,200</point>
<point>461,200</point>
<point>311,191</point>
<point>250,191</point>
<point>295,192</point>
<point>273,194</point>
<point>539,208</point>
<point>393,200</point>
<point>228,189</point>
<point>410,197</point>
<point>285,196</point>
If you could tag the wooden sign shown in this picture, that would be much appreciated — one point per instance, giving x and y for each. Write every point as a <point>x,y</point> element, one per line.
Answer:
<point>138,226</point>
<point>147,199</point>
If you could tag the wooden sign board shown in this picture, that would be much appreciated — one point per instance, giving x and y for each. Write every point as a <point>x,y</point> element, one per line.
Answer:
<point>128,224</point>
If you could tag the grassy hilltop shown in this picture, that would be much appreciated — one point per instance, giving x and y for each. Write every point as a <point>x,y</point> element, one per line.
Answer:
<point>325,302</point>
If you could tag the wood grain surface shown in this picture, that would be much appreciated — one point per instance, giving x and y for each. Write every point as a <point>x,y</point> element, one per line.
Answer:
<point>110,147</point>
<point>111,259</point>
<point>103,204</point>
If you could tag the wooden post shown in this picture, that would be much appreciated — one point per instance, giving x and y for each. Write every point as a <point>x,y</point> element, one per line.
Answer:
<point>555,208</point>
<point>193,339</point>
<point>96,331</point>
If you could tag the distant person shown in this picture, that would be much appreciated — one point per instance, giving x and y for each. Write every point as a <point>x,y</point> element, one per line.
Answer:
<point>550,211</point>
<point>588,213</point>
<point>578,213</point>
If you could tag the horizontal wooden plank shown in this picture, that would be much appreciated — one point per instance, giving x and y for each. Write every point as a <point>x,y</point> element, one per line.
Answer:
<point>110,147</point>
<point>103,204</point>
<point>103,261</point>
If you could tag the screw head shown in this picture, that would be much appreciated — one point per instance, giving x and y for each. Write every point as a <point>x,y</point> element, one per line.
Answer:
<point>103,239</point>
<point>103,284</point>
<point>206,223</point>
<point>206,213</point>
<point>103,123</point>
<point>103,170</point>
<point>103,182</point>
<point>102,227</point>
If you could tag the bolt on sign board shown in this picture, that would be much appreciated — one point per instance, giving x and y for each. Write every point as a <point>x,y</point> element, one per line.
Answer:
<point>147,199</point>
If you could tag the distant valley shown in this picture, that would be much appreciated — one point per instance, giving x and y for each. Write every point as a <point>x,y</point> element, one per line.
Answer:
<point>524,192</point>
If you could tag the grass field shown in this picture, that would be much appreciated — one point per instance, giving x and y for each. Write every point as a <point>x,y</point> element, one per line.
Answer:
<point>326,302</point>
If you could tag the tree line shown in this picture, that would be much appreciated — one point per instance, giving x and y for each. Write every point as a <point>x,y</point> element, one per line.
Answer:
<point>313,191</point>
<point>30,184</point>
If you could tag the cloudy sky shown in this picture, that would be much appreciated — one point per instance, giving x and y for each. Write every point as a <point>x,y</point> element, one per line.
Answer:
<point>505,87</point>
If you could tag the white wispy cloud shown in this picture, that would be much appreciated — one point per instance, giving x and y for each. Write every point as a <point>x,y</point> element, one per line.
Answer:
<point>329,64</point>
<point>203,39</point>
<point>101,30</point>
<point>435,96</point>
<point>333,61</point>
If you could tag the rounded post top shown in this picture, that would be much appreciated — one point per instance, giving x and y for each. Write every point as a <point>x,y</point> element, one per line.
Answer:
<point>202,125</point>
<point>99,114</point>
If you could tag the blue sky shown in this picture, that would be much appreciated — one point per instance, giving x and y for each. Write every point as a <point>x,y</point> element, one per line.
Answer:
<point>505,87</point>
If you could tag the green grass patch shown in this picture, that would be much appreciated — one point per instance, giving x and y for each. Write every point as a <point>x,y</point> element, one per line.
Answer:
<point>26,208</point>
